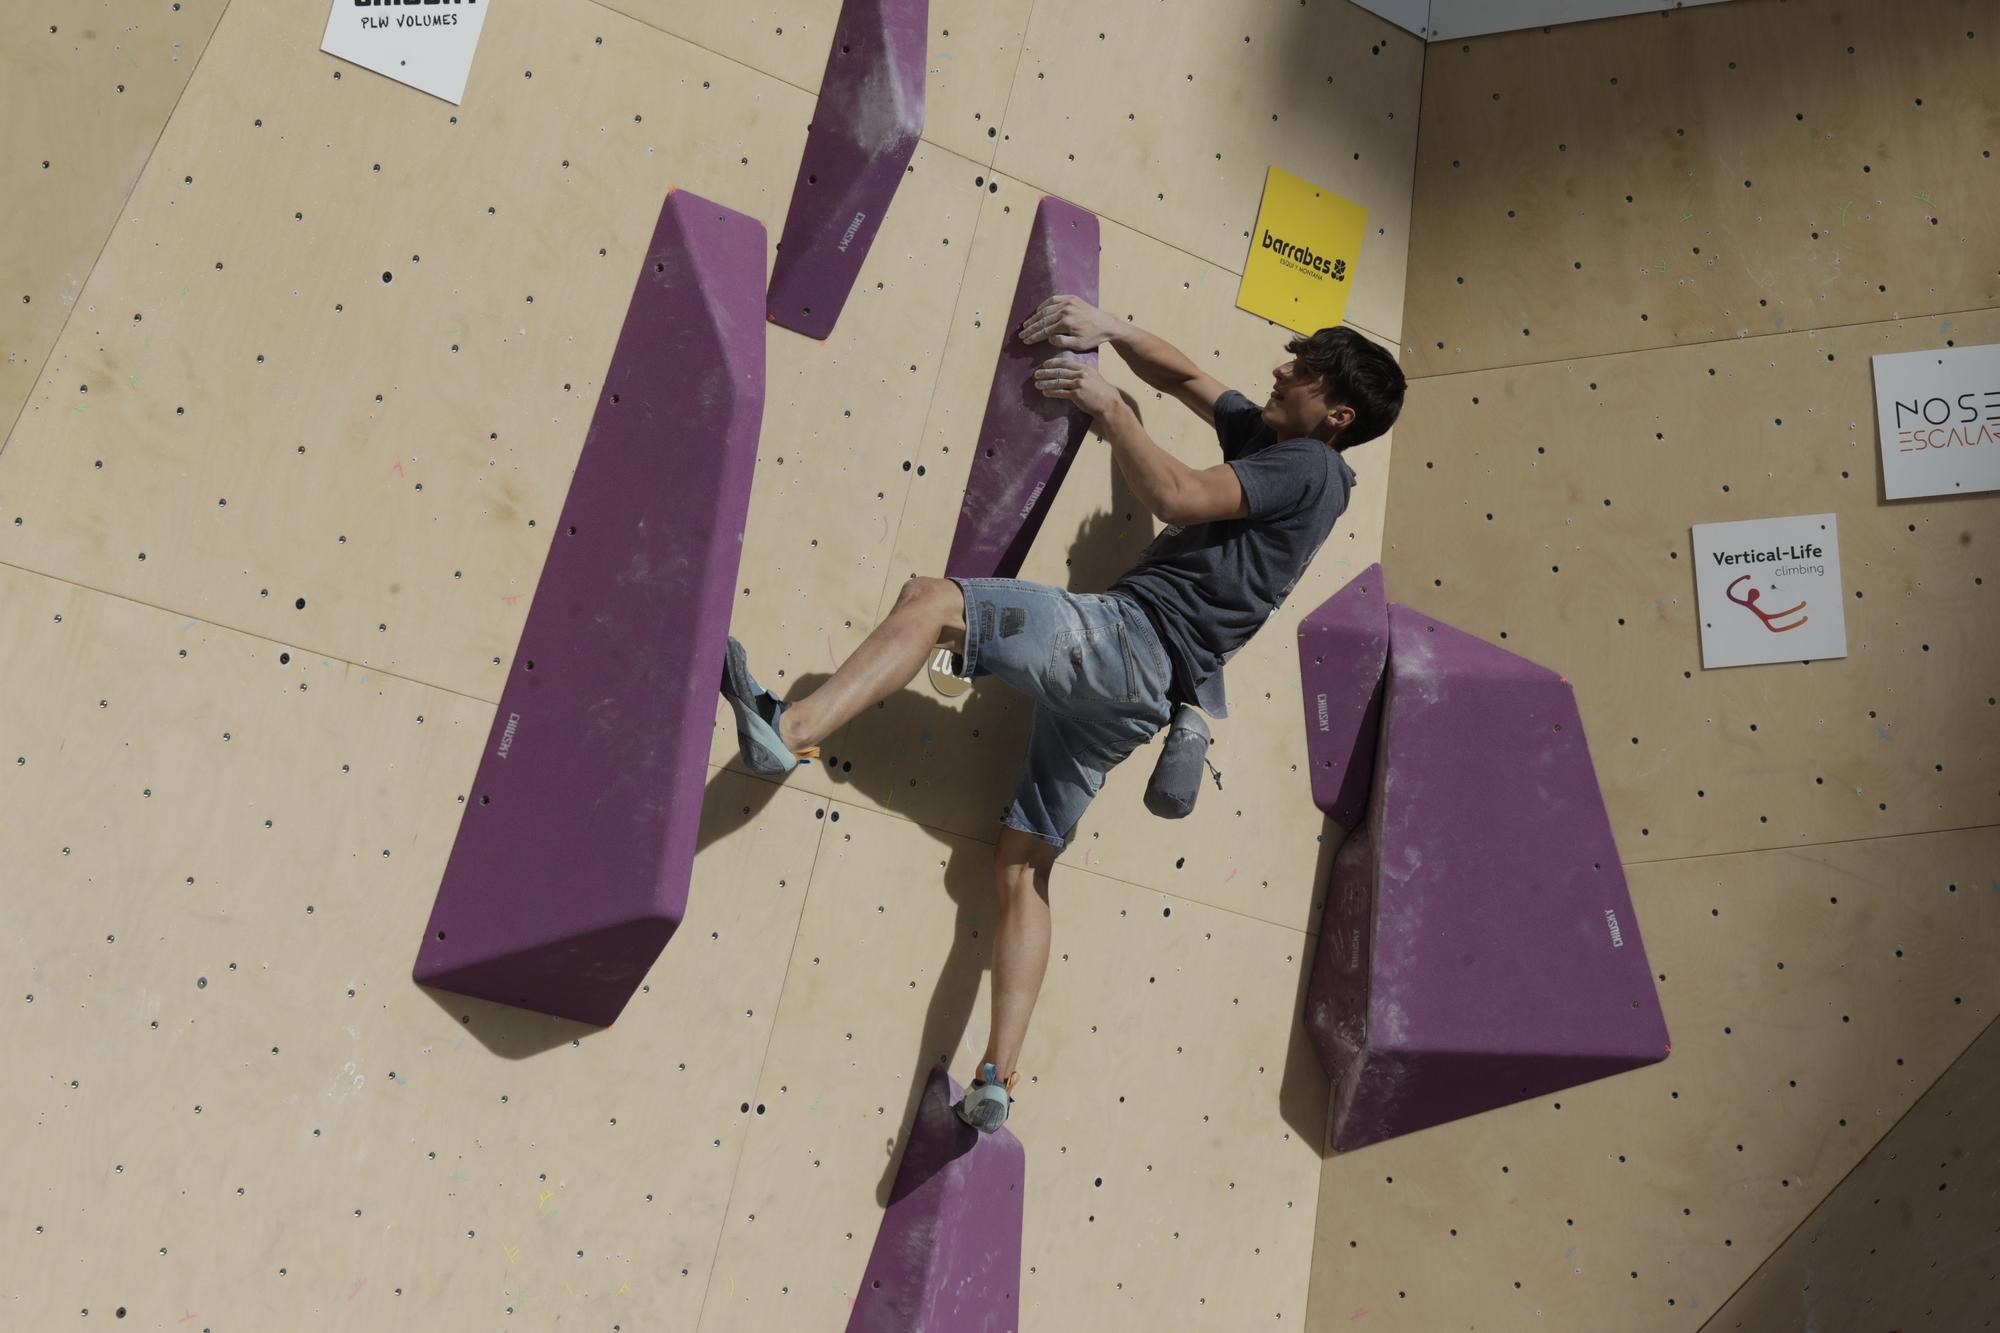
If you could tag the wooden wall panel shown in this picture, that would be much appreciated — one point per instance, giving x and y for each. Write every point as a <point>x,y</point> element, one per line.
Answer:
<point>972,49</point>
<point>390,392</point>
<point>1725,172</point>
<point>1812,847</point>
<point>1593,472</point>
<point>230,1104</point>
<point>88,88</point>
<point>1812,995</point>
<point>1907,1239</point>
<point>1168,1102</point>
<point>1166,119</point>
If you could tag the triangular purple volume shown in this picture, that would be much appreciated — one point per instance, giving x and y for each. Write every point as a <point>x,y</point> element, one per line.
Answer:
<point>1479,945</point>
<point>570,868</point>
<point>1027,440</point>
<point>1343,652</point>
<point>948,1255</point>
<point>858,147</point>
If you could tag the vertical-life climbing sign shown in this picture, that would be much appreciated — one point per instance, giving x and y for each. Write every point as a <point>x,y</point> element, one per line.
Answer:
<point>428,46</point>
<point>1768,590</point>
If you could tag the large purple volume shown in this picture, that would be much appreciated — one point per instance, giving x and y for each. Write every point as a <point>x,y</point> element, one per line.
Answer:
<point>1343,652</point>
<point>948,1255</point>
<point>1479,945</point>
<point>862,136</point>
<point>570,870</point>
<point>1026,440</point>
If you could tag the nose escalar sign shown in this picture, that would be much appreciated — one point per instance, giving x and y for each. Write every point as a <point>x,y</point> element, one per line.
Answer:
<point>1938,414</point>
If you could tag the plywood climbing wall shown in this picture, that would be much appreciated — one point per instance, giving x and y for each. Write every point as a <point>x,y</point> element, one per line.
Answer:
<point>1650,260</point>
<point>297,362</point>
<point>1907,1238</point>
<point>305,365</point>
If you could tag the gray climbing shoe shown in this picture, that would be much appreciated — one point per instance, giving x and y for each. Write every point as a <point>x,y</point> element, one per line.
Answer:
<point>1176,779</point>
<point>757,711</point>
<point>987,1100</point>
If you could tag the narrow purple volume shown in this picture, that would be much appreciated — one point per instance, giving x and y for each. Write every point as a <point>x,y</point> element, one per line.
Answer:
<point>1343,652</point>
<point>1026,440</point>
<point>1479,946</point>
<point>862,136</point>
<point>570,869</point>
<point>948,1255</point>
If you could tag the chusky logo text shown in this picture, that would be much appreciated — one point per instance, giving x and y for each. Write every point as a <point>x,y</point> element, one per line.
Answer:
<point>1322,714</point>
<point>1617,935</point>
<point>852,227</point>
<point>1040,486</point>
<point>507,736</point>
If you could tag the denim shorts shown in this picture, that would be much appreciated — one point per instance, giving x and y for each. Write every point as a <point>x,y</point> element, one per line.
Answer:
<point>1097,673</point>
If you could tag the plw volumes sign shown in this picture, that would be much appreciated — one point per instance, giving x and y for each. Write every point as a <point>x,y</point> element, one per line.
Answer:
<point>1769,590</point>
<point>1938,414</point>
<point>1302,255</point>
<point>427,44</point>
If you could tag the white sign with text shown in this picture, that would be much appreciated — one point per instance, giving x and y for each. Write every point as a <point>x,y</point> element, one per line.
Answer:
<point>1938,413</point>
<point>427,44</point>
<point>1769,590</point>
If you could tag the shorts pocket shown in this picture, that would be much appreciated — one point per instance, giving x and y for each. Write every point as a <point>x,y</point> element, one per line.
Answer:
<point>1091,664</point>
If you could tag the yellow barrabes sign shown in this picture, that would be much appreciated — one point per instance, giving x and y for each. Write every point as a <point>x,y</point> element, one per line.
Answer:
<point>1302,254</point>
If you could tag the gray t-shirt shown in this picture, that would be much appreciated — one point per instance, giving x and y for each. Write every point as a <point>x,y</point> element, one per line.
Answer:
<point>1207,588</point>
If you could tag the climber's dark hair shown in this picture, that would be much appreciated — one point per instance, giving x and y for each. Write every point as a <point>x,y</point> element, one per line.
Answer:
<point>1357,371</point>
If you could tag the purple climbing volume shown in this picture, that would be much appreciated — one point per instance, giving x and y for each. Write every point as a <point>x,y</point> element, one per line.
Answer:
<point>1027,440</point>
<point>571,865</point>
<point>1343,653</point>
<point>948,1255</point>
<point>863,133</point>
<point>1479,945</point>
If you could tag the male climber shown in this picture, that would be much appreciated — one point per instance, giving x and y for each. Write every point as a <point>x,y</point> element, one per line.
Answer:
<point>1106,670</point>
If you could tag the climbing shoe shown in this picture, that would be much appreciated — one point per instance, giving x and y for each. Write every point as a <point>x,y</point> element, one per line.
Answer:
<point>987,1100</point>
<point>757,712</point>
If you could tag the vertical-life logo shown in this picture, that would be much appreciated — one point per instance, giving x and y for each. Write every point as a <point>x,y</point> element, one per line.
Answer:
<point>1769,590</point>
<point>1744,592</point>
